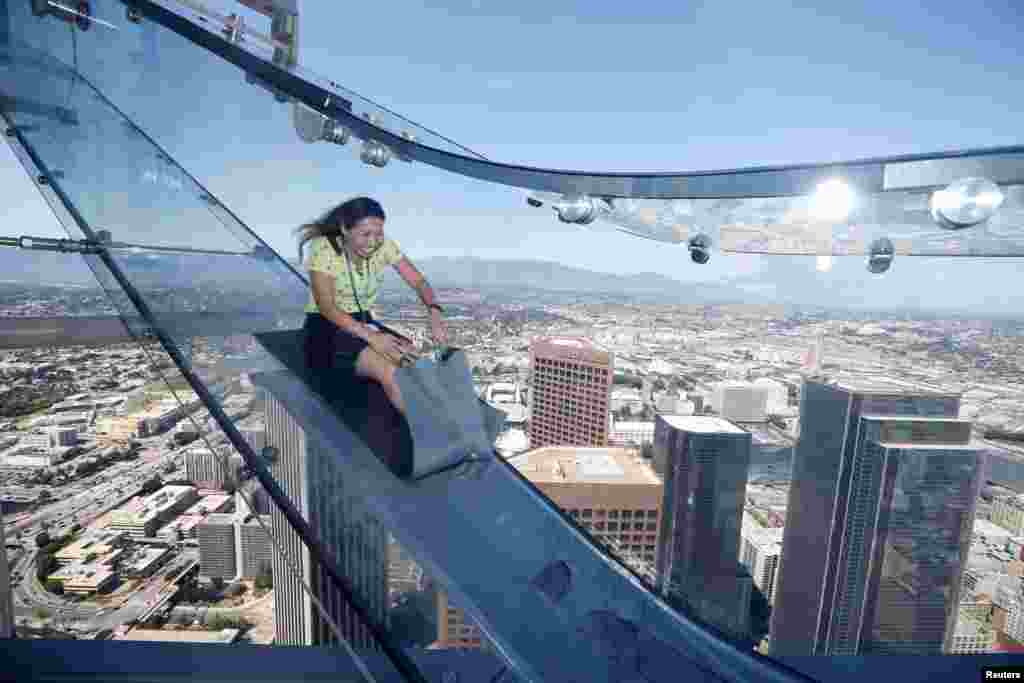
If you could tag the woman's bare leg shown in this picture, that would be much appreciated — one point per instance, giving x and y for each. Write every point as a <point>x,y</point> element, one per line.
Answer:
<point>372,365</point>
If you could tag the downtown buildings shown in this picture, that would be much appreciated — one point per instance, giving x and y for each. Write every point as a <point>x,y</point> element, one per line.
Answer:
<point>703,461</point>
<point>880,515</point>
<point>571,385</point>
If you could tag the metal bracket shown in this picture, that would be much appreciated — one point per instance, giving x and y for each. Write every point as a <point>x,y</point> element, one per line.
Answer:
<point>66,246</point>
<point>78,13</point>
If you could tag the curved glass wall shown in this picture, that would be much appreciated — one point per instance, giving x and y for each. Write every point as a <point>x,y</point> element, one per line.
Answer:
<point>107,119</point>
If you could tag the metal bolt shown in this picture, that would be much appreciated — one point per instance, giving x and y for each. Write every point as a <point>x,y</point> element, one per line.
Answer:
<point>43,180</point>
<point>11,131</point>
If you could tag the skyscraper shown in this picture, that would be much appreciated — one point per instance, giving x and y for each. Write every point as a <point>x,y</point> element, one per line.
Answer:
<point>6,594</point>
<point>913,492</point>
<point>818,497</point>
<point>217,547</point>
<point>704,463</point>
<point>311,478</point>
<point>572,381</point>
<point>208,469</point>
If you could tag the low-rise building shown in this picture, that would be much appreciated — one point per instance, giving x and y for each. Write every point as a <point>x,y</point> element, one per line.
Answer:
<point>141,516</point>
<point>1008,512</point>
<point>101,544</point>
<point>972,636</point>
<point>627,433</point>
<point>84,579</point>
<point>143,561</point>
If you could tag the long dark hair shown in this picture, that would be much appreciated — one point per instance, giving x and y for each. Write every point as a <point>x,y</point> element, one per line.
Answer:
<point>338,221</point>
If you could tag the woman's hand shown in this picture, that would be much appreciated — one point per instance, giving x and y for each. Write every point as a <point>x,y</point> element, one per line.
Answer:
<point>388,346</point>
<point>438,329</point>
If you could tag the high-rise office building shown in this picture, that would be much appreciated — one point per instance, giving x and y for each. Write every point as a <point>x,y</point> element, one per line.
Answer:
<point>611,492</point>
<point>913,492</point>
<point>6,592</point>
<point>572,380</point>
<point>818,496</point>
<point>216,534</point>
<point>208,469</point>
<point>760,553</point>
<point>255,550</point>
<point>704,462</point>
<point>309,475</point>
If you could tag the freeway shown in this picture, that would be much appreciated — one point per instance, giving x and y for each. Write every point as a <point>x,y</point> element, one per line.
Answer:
<point>82,502</point>
<point>149,596</point>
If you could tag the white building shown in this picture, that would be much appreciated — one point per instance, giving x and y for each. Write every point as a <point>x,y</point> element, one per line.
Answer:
<point>141,516</point>
<point>972,636</point>
<point>1009,514</point>
<point>626,432</point>
<point>740,402</point>
<point>760,552</point>
<point>776,393</point>
<point>30,457</point>
<point>512,442</point>
<point>38,439</point>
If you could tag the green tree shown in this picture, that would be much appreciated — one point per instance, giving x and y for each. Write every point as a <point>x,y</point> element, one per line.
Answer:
<point>55,586</point>
<point>265,579</point>
<point>41,613</point>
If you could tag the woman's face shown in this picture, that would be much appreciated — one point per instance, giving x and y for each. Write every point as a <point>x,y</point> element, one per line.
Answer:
<point>365,236</point>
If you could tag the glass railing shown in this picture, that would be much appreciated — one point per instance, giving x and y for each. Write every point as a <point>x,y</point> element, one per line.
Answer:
<point>107,119</point>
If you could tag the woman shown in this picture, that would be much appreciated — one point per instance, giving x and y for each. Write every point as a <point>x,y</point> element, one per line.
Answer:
<point>348,256</point>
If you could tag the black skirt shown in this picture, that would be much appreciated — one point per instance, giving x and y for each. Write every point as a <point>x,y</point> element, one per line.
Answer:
<point>328,347</point>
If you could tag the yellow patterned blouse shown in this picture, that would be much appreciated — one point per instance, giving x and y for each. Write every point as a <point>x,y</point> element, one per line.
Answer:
<point>322,258</point>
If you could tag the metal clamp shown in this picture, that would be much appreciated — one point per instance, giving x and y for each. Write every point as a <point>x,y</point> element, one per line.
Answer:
<point>62,245</point>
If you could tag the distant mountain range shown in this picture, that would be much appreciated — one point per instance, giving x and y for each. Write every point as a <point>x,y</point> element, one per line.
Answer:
<point>519,275</point>
<point>464,272</point>
<point>912,285</point>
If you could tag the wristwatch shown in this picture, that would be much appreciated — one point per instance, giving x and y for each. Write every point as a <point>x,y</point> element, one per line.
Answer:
<point>437,306</point>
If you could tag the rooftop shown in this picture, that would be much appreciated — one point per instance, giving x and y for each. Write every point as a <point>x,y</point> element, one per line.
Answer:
<point>226,636</point>
<point>702,424</point>
<point>561,464</point>
<point>890,386</point>
<point>219,518</point>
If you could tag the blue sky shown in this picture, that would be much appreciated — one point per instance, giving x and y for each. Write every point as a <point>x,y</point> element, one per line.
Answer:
<point>656,86</point>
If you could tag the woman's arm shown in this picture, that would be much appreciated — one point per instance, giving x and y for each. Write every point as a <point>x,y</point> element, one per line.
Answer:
<point>415,279</point>
<point>323,287</point>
